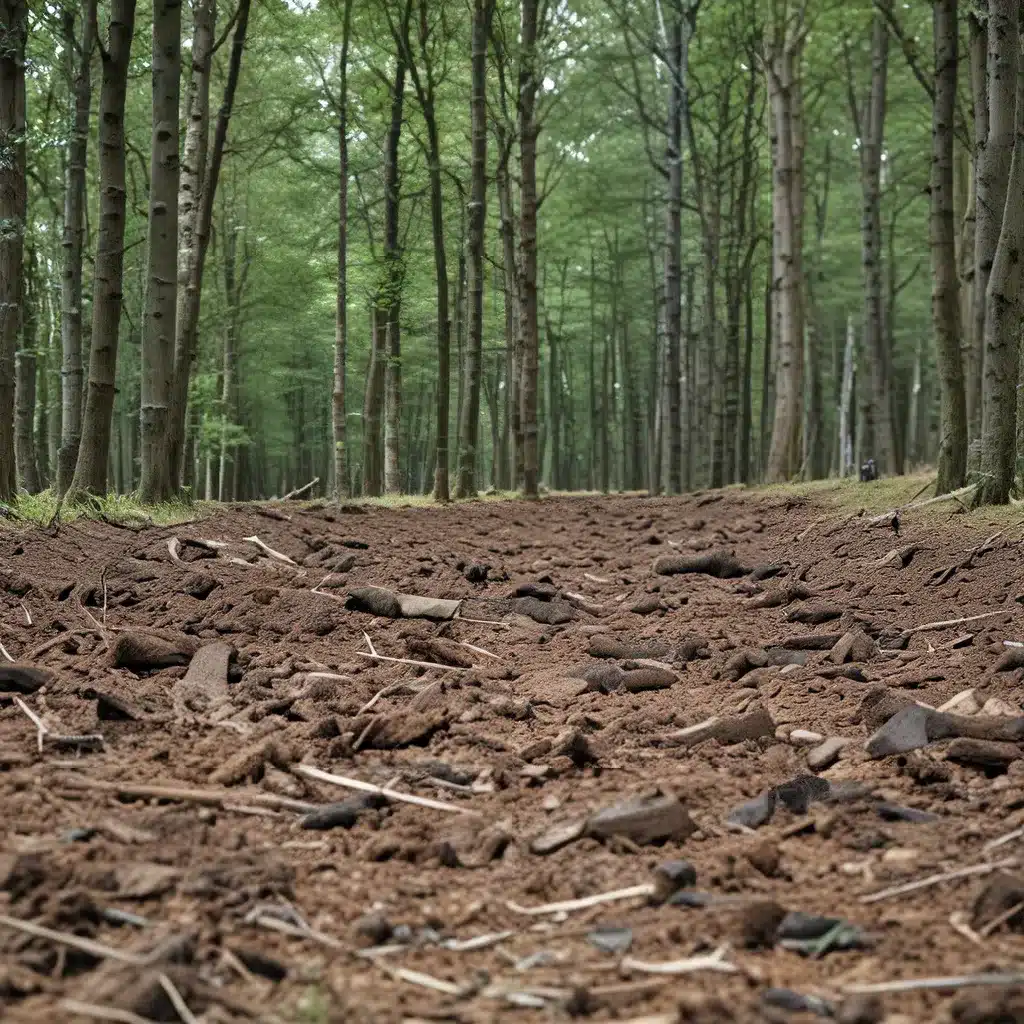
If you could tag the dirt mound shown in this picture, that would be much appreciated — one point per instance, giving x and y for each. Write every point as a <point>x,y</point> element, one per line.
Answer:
<point>234,754</point>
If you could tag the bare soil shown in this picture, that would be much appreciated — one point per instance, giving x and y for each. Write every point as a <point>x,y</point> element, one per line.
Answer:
<point>212,890</point>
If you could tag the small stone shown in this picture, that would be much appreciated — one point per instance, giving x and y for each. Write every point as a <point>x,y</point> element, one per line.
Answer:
<point>538,748</point>
<point>573,744</point>
<point>998,706</point>
<point>963,703</point>
<point>855,645</point>
<point>754,813</point>
<point>758,923</point>
<point>804,738</point>
<point>372,930</point>
<point>765,857</point>
<point>557,837</point>
<point>608,939</point>
<point>743,662</point>
<point>647,605</point>
<point>861,1009</point>
<point>907,730</point>
<point>826,754</point>
<point>983,754</point>
<point>670,876</point>
<point>755,724</point>
<point>644,820</point>
<point>1000,894</point>
<point>640,679</point>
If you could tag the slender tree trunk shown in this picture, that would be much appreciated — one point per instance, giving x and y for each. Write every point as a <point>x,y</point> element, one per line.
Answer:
<point>845,461</point>
<point>786,104</point>
<point>945,309</point>
<point>157,484</point>
<point>373,404</point>
<point>994,158</point>
<point>1003,298</point>
<point>972,289</point>
<point>528,86</point>
<point>338,414</point>
<point>469,426</point>
<point>25,379</point>
<point>394,275</point>
<point>73,242</point>
<point>186,343</point>
<point>510,280</point>
<point>93,454</point>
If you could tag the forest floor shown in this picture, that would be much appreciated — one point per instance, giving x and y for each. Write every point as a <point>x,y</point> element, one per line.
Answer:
<point>694,744</point>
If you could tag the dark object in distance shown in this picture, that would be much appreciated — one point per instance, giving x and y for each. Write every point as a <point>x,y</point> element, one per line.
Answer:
<point>868,471</point>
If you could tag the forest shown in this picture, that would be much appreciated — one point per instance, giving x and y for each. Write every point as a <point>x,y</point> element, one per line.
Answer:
<point>447,246</point>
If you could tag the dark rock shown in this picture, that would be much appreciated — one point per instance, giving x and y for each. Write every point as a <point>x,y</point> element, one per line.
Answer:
<point>476,572</point>
<point>862,1009</point>
<point>759,922</point>
<point>814,614</point>
<point>604,676</point>
<point>906,730</point>
<point>546,612</point>
<point>997,896</point>
<point>644,820</point>
<point>984,754</point>
<point>603,646</point>
<point>200,585</point>
<point>647,605</point>
<point>799,793</point>
<point>142,651</point>
<point>812,642</point>
<point>765,857</point>
<point>855,645</point>
<point>796,1002</point>
<point>540,591</point>
<point>670,876</point>
<point>767,572</point>
<point>743,662</point>
<point>372,930</point>
<point>343,814</point>
<point>24,678</point>
<point>403,729</point>
<point>609,939</point>
<point>754,813</point>
<point>720,564</point>
<point>894,812</point>
<point>261,964</point>
<point>557,837</point>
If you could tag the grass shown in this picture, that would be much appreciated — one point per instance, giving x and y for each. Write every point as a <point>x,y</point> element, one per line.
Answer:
<point>39,510</point>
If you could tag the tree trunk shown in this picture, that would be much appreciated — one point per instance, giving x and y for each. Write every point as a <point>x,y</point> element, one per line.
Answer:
<point>528,86</point>
<point>338,420</point>
<point>373,404</point>
<point>945,309</point>
<point>444,326</point>
<point>510,281</point>
<point>25,380</point>
<point>394,274</point>
<point>157,484</point>
<point>845,445</point>
<point>972,298</point>
<point>91,469</point>
<point>875,402</point>
<point>786,104</point>
<point>469,426</point>
<point>1003,298</point>
<point>186,342</point>
<point>994,156</point>
<point>73,241</point>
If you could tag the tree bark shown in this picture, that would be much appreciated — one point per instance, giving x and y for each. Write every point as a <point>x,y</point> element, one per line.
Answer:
<point>783,67</point>
<point>945,310</point>
<point>469,426</point>
<point>1003,297</point>
<point>91,468</point>
<point>510,282</point>
<point>528,86</point>
<point>972,298</point>
<point>73,241</point>
<point>26,364</point>
<point>157,484</point>
<point>338,414</point>
<point>186,342</point>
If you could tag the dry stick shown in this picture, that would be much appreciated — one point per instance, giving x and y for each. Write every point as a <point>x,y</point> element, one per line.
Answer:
<point>646,889</point>
<point>28,615</point>
<point>1002,918</point>
<point>419,978</point>
<point>374,656</point>
<point>295,931</point>
<point>498,623</point>
<point>945,624</point>
<point>922,984</point>
<point>3,651</point>
<point>108,1013</point>
<point>206,797</point>
<point>329,677</point>
<point>179,1004</point>
<point>707,962</point>
<point>595,579</point>
<point>367,787</point>
<point>173,547</point>
<point>270,551</point>
<point>83,945</point>
<point>41,728</point>
<point>952,496</point>
<point>386,691</point>
<point>479,650</point>
<point>299,491</point>
<point>1017,833</point>
<point>933,880</point>
<point>957,921</point>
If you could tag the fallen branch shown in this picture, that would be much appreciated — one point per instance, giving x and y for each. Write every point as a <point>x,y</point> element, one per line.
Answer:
<point>4,652</point>
<point>633,892</point>
<point>419,978</point>
<point>206,797</point>
<point>1009,837</point>
<point>295,931</point>
<point>108,1013</point>
<point>374,656</point>
<point>83,945</point>
<point>300,491</point>
<point>391,794</point>
<point>930,627</point>
<point>173,547</point>
<point>706,962</point>
<point>479,650</point>
<point>267,550</point>
<point>933,880</point>
<point>1000,919</point>
<point>179,1004</point>
<point>28,614</point>
<point>924,984</point>
<point>41,728</point>
<point>886,517</point>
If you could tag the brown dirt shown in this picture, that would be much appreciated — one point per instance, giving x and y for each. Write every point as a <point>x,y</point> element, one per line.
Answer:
<point>520,738</point>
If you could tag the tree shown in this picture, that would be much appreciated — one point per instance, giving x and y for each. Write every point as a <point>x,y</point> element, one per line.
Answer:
<point>80,50</point>
<point>91,468</point>
<point>161,295</point>
<point>945,308</point>
<point>1003,302</point>
<point>782,61</point>
<point>528,86</point>
<point>469,426</point>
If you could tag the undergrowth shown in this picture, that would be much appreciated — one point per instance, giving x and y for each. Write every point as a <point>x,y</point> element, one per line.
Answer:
<point>124,509</point>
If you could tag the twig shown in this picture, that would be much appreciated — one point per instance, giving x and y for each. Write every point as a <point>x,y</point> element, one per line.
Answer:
<point>958,922</point>
<point>595,579</point>
<point>83,945</point>
<point>1002,918</point>
<point>886,517</point>
<point>41,727</point>
<point>206,797</point>
<point>479,650</point>
<point>374,656</point>
<point>28,615</point>
<point>3,651</point>
<point>933,880</point>
<point>706,962</point>
<point>646,889</point>
<point>368,787</point>
<point>329,677</point>
<point>929,627</point>
<point>179,1004</point>
<point>419,978</point>
<point>498,623</point>
<point>270,551</point>
<point>923,984</point>
<point>299,491</point>
<point>109,1013</point>
<point>993,844</point>
<point>294,930</point>
<point>386,691</point>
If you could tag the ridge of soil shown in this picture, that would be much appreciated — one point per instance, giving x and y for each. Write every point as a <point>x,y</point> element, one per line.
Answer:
<point>517,735</point>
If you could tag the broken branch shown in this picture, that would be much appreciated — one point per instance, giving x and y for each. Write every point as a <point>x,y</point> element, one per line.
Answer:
<point>269,551</point>
<point>633,892</point>
<point>932,880</point>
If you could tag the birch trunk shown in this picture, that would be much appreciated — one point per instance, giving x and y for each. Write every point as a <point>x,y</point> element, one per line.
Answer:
<point>845,459</point>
